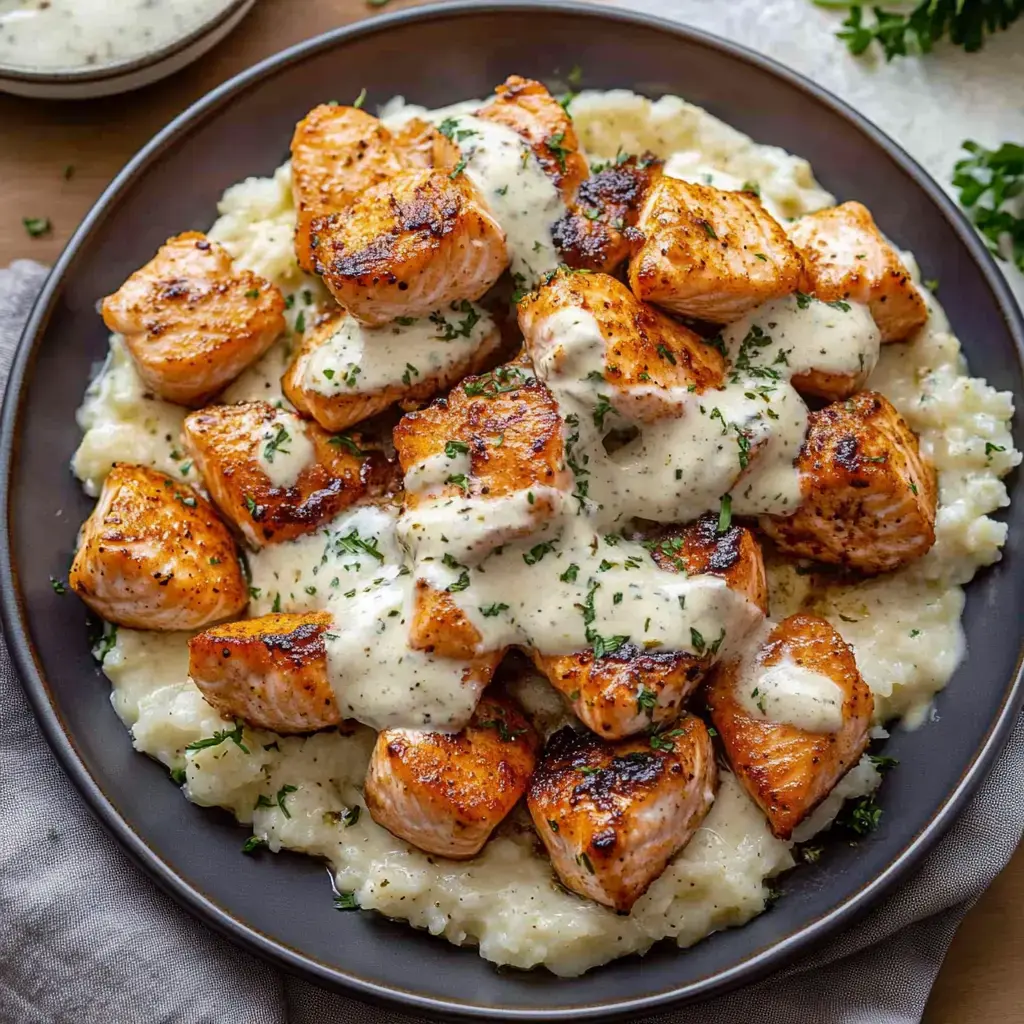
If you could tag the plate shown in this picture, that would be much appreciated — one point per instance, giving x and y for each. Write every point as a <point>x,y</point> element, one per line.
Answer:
<point>280,907</point>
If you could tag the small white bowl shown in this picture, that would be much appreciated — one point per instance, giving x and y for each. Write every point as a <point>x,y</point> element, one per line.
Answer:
<point>126,75</point>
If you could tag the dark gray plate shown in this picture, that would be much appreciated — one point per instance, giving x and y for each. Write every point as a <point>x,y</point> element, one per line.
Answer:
<point>280,907</point>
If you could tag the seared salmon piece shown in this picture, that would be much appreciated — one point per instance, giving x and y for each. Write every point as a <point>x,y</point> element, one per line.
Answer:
<point>154,554</point>
<point>632,689</point>
<point>535,115</point>
<point>446,792</point>
<point>847,257</point>
<point>409,246</point>
<point>804,674</point>
<point>420,144</point>
<point>592,235</point>
<point>507,425</point>
<point>337,152</point>
<point>612,815</point>
<point>270,672</point>
<point>351,400</point>
<point>275,476</point>
<point>192,323</point>
<point>710,254</point>
<point>869,496</point>
<point>648,356</point>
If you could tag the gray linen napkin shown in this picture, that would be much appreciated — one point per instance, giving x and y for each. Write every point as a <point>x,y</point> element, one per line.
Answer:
<point>86,937</point>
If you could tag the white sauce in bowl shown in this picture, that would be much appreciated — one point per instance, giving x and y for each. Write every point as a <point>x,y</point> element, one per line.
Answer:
<point>72,35</point>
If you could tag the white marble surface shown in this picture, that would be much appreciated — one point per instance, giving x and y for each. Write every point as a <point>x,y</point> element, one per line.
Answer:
<point>929,105</point>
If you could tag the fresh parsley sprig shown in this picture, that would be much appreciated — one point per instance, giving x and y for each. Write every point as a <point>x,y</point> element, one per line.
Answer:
<point>989,182</point>
<point>965,23</point>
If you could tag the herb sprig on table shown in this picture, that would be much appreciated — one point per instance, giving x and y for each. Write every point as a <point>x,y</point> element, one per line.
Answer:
<point>991,184</point>
<point>907,30</point>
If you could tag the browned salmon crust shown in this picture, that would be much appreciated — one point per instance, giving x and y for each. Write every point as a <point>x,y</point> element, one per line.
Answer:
<point>710,254</point>
<point>446,793</point>
<point>192,323</point>
<point>154,554</point>
<point>612,814</point>
<point>788,771</point>
<point>869,496</point>
<point>847,257</point>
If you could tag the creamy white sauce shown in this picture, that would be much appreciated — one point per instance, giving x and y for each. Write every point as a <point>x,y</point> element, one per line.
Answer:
<point>798,333</point>
<point>789,694</point>
<point>739,440</point>
<point>521,196</point>
<point>76,34</point>
<point>691,166</point>
<point>355,569</point>
<point>284,449</point>
<point>357,359</point>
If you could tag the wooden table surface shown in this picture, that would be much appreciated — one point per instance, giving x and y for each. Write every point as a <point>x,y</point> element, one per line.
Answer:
<point>55,158</point>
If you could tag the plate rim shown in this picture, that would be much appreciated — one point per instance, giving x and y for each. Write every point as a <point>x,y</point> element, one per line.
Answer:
<point>49,719</point>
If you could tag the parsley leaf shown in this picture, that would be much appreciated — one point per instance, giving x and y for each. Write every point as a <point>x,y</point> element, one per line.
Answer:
<point>235,735</point>
<point>989,180</point>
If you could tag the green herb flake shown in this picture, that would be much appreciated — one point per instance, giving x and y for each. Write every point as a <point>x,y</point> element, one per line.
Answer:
<point>36,226</point>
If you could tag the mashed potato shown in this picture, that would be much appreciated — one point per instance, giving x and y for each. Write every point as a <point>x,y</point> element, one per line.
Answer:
<point>304,793</point>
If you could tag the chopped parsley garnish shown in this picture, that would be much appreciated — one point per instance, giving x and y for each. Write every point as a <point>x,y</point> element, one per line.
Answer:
<point>663,740</point>
<point>601,645</point>
<point>361,98</point>
<point>58,586</point>
<point>410,372</point>
<point>276,607</point>
<point>36,226</point>
<point>666,353</point>
<point>450,562</point>
<point>450,129</point>
<point>458,168</point>
<point>351,816</point>
<point>601,410</point>
<point>449,331</point>
<point>503,379</point>
<point>459,480</point>
<point>106,643</point>
<point>276,443</point>
<point>281,796</point>
<point>724,513</point>
<point>253,844</point>
<point>300,321</point>
<point>505,734</point>
<point>347,900</point>
<point>861,816</point>
<point>455,448</point>
<point>697,640</point>
<point>537,552</point>
<point>990,449</point>
<point>708,229</point>
<point>491,610</point>
<point>346,442</point>
<point>558,151</point>
<point>883,762</point>
<point>646,702</point>
<point>235,735</point>
<point>353,544</point>
<point>570,574</point>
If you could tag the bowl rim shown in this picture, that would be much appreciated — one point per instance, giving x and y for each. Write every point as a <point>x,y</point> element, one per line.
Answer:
<point>104,72</point>
<point>15,624</point>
